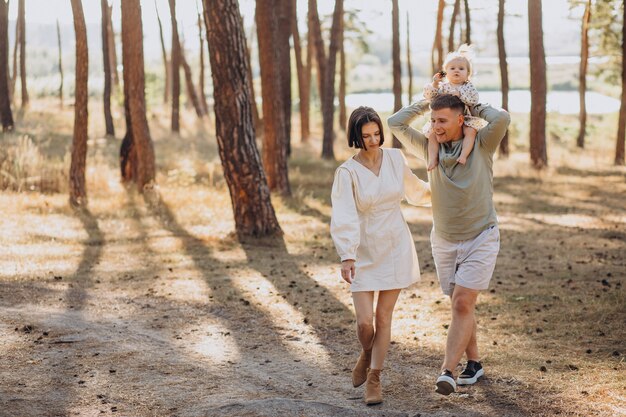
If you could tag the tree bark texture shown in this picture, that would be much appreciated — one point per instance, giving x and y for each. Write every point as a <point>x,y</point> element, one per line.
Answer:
<point>201,90</point>
<point>191,89</point>
<point>468,23</point>
<point>273,43</point>
<point>304,76</point>
<point>284,65</point>
<point>582,74</point>
<point>343,117</point>
<point>166,62</point>
<point>252,208</point>
<point>108,118</point>
<point>21,15</point>
<point>538,86</point>
<point>397,64</point>
<point>455,16</point>
<point>112,49</point>
<point>318,46</point>
<point>436,56</point>
<point>60,64</point>
<point>328,98</point>
<point>134,85</point>
<point>78,190</point>
<point>175,69</point>
<point>409,65</point>
<point>5,100</point>
<point>15,53</point>
<point>504,74</point>
<point>621,127</point>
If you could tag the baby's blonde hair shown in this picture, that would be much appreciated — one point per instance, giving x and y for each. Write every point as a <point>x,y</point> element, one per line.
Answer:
<point>465,52</point>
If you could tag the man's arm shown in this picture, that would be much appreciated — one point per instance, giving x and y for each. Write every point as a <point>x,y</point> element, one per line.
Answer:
<point>413,140</point>
<point>490,136</point>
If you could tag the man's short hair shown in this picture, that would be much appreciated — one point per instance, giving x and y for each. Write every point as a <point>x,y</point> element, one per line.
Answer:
<point>447,101</point>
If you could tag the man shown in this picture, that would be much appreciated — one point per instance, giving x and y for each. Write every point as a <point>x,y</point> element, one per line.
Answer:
<point>465,238</point>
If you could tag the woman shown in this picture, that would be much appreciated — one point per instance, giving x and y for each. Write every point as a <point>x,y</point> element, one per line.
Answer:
<point>372,238</point>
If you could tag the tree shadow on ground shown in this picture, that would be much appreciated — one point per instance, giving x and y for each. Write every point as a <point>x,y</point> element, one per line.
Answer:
<point>248,323</point>
<point>59,341</point>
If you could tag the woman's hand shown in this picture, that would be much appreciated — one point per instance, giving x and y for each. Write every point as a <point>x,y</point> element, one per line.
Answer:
<point>347,270</point>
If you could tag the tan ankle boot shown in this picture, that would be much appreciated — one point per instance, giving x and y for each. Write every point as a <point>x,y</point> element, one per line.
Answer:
<point>373,390</point>
<point>359,372</point>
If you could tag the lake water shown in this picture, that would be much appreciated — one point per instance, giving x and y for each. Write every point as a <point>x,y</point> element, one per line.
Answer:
<point>564,102</point>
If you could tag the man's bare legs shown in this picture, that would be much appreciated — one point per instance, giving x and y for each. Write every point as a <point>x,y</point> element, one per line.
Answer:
<point>472,347</point>
<point>462,331</point>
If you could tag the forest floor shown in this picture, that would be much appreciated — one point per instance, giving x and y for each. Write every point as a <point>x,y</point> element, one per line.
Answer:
<point>140,310</point>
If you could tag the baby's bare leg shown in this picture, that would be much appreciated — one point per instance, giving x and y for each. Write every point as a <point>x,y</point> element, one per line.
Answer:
<point>433,151</point>
<point>468,143</point>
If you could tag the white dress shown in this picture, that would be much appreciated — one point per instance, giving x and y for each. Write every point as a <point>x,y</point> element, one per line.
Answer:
<point>367,224</point>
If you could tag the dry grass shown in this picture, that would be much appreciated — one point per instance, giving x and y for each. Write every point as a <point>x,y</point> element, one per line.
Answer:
<point>161,312</point>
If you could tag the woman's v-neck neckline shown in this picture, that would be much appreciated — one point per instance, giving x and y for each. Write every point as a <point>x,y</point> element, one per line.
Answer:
<point>380,170</point>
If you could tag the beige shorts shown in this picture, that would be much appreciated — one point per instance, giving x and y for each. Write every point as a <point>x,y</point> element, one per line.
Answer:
<point>468,263</point>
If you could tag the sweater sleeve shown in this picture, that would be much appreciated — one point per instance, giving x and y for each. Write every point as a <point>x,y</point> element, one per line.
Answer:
<point>498,121</point>
<point>416,191</point>
<point>345,227</point>
<point>400,125</point>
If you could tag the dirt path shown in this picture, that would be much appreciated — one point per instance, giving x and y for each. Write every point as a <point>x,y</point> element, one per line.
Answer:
<point>136,312</point>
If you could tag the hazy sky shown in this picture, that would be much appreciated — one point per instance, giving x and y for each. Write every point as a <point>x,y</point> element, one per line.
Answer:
<point>376,15</point>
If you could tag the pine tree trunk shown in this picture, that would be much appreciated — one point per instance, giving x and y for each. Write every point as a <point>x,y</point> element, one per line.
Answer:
<point>397,64</point>
<point>15,53</point>
<point>284,67</point>
<point>409,65</point>
<point>275,136</point>
<point>5,101</point>
<point>504,74</point>
<point>21,15</point>
<point>201,92</point>
<point>621,127</point>
<point>166,62</point>
<point>538,87</point>
<point>468,26</point>
<point>128,151</point>
<point>191,89</point>
<point>582,74</point>
<point>303,71</point>
<point>175,69</point>
<point>134,78</point>
<point>252,208</point>
<point>453,19</point>
<point>318,46</point>
<point>436,55</point>
<point>112,49</point>
<point>258,122</point>
<point>328,98</point>
<point>308,75</point>
<point>343,117</point>
<point>108,118</point>
<point>78,190</point>
<point>60,64</point>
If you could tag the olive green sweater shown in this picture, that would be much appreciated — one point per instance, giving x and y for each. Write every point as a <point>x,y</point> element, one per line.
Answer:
<point>462,195</point>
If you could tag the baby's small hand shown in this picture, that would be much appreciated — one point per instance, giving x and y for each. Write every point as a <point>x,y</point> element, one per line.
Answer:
<point>438,77</point>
